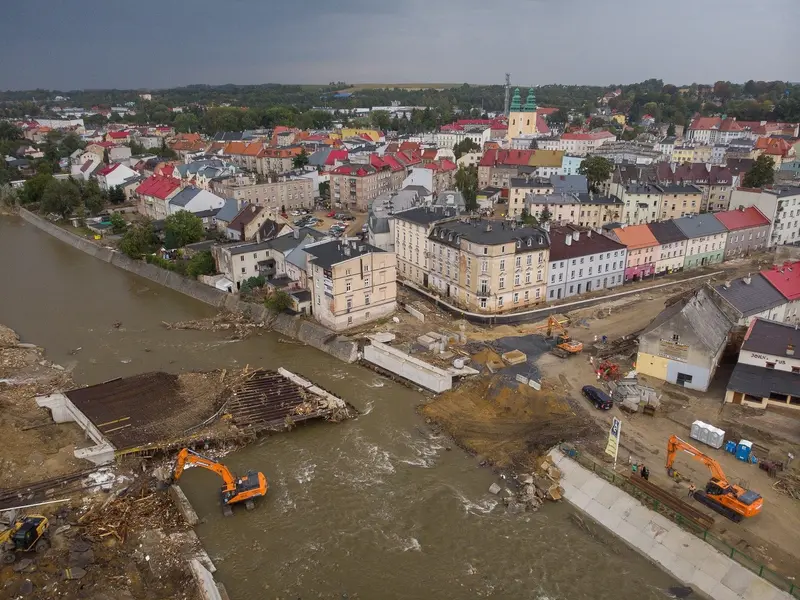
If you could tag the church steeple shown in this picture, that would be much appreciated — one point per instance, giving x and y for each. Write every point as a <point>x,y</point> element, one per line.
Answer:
<point>515,101</point>
<point>530,102</point>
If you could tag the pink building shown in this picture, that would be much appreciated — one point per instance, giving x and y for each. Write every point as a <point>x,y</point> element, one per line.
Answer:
<point>643,250</point>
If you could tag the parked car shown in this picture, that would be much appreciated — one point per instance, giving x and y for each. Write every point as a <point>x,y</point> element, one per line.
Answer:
<point>331,214</point>
<point>365,228</point>
<point>597,397</point>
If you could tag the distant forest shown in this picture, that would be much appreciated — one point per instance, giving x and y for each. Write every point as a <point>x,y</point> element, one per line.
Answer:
<point>273,104</point>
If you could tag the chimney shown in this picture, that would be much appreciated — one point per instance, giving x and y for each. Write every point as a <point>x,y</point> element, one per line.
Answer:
<point>576,235</point>
<point>296,234</point>
<point>346,250</point>
<point>568,240</point>
<point>747,279</point>
<point>790,350</point>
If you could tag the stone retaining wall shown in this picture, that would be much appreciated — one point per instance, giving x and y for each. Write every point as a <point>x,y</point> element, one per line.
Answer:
<point>311,333</point>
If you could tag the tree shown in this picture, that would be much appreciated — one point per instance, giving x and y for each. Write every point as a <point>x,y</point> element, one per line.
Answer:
<point>300,160</point>
<point>465,146</point>
<point>201,263</point>
<point>596,169</point>
<point>106,158</point>
<point>671,129</point>
<point>252,283</point>
<point>278,301</point>
<point>182,228</point>
<point>596,123</point>
<point>9,131</point>
<point>94,199</point>
<point>33,189</point>
<point>166,151</point>
<point>380,119</point>
<point>116,195</point>
<point>8,196</point>
<point>558,118</point>
<point>761,173</point>
<point>324,189</point>
<point>61,197</point>
<point>467,183</point>
<point>545,216</point>
<point>139,239</point>
<point>118,224</point>
<point>527,218</point>
<point>186,123</point>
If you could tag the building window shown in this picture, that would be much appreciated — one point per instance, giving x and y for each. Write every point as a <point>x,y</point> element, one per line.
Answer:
<point>349,304</point>
<point>516,297</point>
<point>500,302</point>
<point>484,266</point>
<point>502,282</point>
<point>366,299</point>
<point>516,279</point>
<point>502,265</point>
<point>349,320</point>
<point>676,337</point>
<point>483,302</point>
<point>485,250</point>
<point>527,277</point>
<point>519,262</point>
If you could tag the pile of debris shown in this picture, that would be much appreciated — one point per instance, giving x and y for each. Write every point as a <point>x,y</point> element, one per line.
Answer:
<point>533,490</point>
<point>239,323</point>
<point>789,484</point>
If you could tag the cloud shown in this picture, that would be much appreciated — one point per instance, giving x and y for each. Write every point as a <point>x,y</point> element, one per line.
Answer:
<point>151,43</point>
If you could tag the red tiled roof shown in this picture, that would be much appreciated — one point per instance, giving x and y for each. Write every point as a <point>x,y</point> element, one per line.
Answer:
<point>545,111</point>
<point>335,155</point>
<point>158,186</point>
<point>108,169</point>
<point>730,125</point>
<point>412,146</point>
<point>742,219</point>
<point>702,123</point>
<point>253,149</point>
<point>786,279</point>
<point>773,146</point>
<point>119,135</point>
<point>595,135</point>
<point>429,153</point>
<point>85,167</point>
<point>237,148</point>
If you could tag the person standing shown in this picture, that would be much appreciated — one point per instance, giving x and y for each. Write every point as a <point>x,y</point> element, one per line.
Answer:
<point>692,490</point>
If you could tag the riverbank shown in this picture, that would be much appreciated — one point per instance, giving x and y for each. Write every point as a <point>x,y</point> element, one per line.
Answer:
<point>110,530</point>
<point>296,327</point>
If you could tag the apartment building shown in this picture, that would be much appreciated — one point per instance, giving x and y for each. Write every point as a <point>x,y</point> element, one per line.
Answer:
<point>276,160</point>
<point>582,261</point>
<point>240,262</point>
<point>497,167</point>
<point>279,192</point>
<point>748,231</point>
<point>597,210</point>
<point>581,144</point>
<point>780,205</point>
<point>154,194</point>
<point>641,202</point>
<point>520,187</point>
<point>352,283</point>
<point>354,186</point>
<point>411,230</point>
<point>679,200</point>
<point>706,238</point>
<point>561,208</point>
<point>643,250</point>
<point>488,266</point>
<point>671,253</point>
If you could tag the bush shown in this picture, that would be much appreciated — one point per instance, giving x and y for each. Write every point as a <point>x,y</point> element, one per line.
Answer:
<point>278,301</point>
<point>201,263</point>
<point>252,283</point>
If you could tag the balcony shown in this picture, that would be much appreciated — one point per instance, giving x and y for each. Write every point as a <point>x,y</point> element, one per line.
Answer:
<point>483,292</point>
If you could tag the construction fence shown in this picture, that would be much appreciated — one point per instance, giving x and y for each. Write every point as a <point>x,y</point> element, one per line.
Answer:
<point>623,482</point>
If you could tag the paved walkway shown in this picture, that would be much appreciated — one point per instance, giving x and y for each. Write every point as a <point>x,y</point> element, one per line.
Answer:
<point>686,557</point>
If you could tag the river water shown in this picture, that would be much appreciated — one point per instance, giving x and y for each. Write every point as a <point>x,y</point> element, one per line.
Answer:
<point>376,507</point>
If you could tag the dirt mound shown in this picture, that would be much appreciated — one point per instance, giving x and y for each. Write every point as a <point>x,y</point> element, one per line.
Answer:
<point>8,337</point>
<point>507,422</point>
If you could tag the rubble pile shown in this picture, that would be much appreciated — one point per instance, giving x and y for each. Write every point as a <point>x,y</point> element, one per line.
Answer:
<point>532,490</point>
<point>789,484</point>
<point>238,323</point>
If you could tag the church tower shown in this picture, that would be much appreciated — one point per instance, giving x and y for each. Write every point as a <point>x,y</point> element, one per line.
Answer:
<point>522,118</point>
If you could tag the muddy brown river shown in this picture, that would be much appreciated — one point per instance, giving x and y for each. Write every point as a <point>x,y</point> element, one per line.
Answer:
<point>377,507</point>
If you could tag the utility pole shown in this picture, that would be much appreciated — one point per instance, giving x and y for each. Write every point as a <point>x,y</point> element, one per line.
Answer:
<point>508,91</point>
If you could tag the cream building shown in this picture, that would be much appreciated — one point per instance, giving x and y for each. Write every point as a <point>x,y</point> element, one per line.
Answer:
<point>411,230</point>
<point>522,118</point>
<point>671,253</point>
<point>680,200</point>
<point>351,283</point>
<point>489,266</point>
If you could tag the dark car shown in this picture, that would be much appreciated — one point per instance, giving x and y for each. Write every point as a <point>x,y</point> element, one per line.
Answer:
<point>597,397</point>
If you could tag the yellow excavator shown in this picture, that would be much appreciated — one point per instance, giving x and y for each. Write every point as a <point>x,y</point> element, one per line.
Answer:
<point>234,490</point>
<point>30,533</point>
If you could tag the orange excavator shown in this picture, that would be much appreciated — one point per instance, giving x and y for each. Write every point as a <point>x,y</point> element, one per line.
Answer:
<point>565,345</point>
<point>235,489</point>
<point>728,499</point>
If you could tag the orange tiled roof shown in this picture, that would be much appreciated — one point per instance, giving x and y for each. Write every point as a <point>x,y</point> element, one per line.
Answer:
<point>636,236</point>
<point>234,148</point>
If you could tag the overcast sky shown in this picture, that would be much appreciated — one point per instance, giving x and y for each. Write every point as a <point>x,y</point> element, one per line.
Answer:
<point>70,44</point>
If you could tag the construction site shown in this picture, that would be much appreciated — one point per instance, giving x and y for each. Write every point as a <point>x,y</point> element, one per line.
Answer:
<point>85,471</point>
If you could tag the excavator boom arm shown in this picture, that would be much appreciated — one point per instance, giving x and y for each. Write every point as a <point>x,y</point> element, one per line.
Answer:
<point>675,443</point>
<point>186,456</point>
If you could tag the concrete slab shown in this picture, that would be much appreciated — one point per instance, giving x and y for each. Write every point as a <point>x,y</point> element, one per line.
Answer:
<point>703,582</point>
<point>737,579</point>
<point>578,477</point>
<point>597,511</point>
<point>677,541</point>
<point>698,552</point>
<point>639,516</point>
<point>593,486</point>
<point>624,504</point>
<point>682,569</point>
<point>662,521</point>
<point>761,590</point>
<point>608,496</point>
<point>579,499</point>
<point>662,555</point>
<point>715,565</point>
<point>721,592</point>
<point>655,531</point>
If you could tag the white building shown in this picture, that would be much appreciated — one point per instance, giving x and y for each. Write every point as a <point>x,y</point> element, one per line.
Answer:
<point>194,200</point>
<point>781,206</point>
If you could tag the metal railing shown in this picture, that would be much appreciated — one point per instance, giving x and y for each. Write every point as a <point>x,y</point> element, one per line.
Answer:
<point>621,481</point>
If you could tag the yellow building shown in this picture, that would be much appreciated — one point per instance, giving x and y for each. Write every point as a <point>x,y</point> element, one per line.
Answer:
<point>522,119</point>
<point>620,119</point>
<point>691,154</point>
<point>348,132</point>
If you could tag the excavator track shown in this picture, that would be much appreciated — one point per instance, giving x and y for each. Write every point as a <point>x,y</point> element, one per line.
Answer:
<point>702,498</point>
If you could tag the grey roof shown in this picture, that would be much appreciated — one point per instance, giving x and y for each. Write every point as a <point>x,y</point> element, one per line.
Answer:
<point>642,188</point>
<point>670,139</point>
<point>185,196</point>
<point>490,233</point>
<point>677,188</point>
<point>318,158</point>
<point>229,136</point>
<point>426,215</point>
<point>700,225</point>
<point>761,382</point>
<point>569,184</point>
<point>753,298</point>
<point>451,199</point>
<point>420,189</point>
<point>530,182</point>
<point>381,209</point>
<point>302,296</point>
<point>771,337</point>
<point>589,198</point>
<point>249,247</point>
<point>331,253</point>
<point>702,315</point>
<point>789,191</point>
<point>228,211</point>
<point>211,212</point>
<point>666,232</point>
<point>551,199</point>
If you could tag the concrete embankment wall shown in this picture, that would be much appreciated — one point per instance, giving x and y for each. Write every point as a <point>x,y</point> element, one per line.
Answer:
<point>408,367</point>
<point>313,334</point>
<point>686,557</point>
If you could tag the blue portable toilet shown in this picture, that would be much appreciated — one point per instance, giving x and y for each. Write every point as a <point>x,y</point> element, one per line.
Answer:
<point>730,446</point>
<point>743,450</point>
